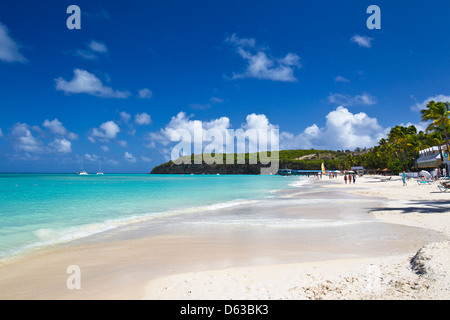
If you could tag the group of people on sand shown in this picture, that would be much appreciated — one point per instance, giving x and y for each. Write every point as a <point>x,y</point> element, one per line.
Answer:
<point>332,175</point>
<point>350,178</point>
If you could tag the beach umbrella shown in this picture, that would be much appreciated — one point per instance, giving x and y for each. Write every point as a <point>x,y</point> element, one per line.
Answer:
<point>425,174</point>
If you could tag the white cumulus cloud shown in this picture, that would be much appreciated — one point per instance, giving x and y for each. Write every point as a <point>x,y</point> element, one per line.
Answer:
<point>343,130</point>
<point>92,52</point>
<point>262,66</point>
<point>437,98</point>
<point>9,49</point>
<point>85,82</point>
<point>108,130</point>
<point>362,41</point>
<point>341,79</point>
<point>363,99</point>
<point>56,127</point>
<point>217,135</point>
<point>129,157</point>
<point>125,117</point>
<point>97,46</point>
<point>23,140</point>
<point>145,93</point>
<point>142,118</point>
<point>61,145</point>
<point>91,157</point>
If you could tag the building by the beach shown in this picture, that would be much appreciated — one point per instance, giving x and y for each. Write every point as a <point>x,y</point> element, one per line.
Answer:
<point>431,159</point>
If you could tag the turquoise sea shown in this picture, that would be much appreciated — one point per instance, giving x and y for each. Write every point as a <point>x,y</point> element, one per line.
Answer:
<point>37,210</point>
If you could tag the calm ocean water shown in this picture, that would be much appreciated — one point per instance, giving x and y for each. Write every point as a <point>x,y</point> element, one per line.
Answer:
<point>43,209</point>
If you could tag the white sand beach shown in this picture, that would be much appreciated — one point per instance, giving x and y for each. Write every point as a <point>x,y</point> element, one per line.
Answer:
<point>238,253</point>
<point>424,274</point>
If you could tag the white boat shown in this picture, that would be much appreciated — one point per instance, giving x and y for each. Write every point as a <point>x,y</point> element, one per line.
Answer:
<point>99,171</point>
<point>82,172</point>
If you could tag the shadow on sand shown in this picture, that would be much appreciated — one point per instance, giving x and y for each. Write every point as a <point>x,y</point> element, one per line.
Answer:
<point>423,207</point>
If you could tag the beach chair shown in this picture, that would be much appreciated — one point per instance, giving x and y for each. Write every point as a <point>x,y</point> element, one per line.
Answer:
<point>444,186</point>
<point>421,182</point>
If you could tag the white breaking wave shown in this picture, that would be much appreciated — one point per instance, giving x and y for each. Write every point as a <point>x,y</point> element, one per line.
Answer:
<point>52,236</point>
<point>298,183</point>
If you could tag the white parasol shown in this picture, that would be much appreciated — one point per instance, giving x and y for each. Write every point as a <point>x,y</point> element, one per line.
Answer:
<point>425,174</point>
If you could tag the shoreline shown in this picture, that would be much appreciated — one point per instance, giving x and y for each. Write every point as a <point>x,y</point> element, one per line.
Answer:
<point>49,235</point>
<point>394,277</point>
<point>222,260</point>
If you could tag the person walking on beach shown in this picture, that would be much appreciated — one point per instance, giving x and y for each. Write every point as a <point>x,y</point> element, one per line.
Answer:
<point>354,178</point>
<point>404,178</point>
<point>345,178</point>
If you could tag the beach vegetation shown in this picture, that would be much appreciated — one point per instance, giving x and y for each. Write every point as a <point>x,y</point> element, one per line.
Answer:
<point>395,153</point>
<point>438,113</point>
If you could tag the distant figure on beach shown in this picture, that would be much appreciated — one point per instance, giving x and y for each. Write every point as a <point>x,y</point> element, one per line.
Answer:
<point>354,178</point>
<point>345,178</point>
<point>404,178</point>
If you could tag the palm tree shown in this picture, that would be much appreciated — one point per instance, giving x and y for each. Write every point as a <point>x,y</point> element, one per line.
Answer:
<point>410,134</point>
<point>435,139</point>
<point>416,145</point>
<point>397,137</point>
<point>438,113</point>
<point>351,160</point>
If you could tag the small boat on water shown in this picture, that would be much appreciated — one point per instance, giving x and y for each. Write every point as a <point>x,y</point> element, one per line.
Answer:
<point>99,171</point>
<point>82,172</point>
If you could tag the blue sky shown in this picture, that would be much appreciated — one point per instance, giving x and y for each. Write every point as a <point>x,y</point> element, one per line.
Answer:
<point>137,70</point>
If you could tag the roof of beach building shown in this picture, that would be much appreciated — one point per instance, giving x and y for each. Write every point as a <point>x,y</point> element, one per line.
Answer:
<point>432,150</point>
<point>431,157</point>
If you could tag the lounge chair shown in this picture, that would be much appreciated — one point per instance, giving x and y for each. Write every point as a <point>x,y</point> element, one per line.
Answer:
<point>444,186</point>
<point>420,182</point>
